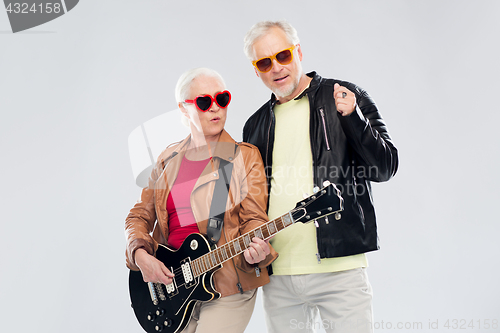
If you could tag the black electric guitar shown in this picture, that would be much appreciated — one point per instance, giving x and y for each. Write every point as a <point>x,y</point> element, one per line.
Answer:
<point>168,308</point>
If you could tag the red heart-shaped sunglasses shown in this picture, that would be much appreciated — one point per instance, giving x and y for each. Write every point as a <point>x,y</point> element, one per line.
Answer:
<point>204,103</point>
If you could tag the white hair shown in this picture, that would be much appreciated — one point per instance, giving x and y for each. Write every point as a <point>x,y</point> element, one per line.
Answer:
<point>261,28</point>
<point>184,82</point>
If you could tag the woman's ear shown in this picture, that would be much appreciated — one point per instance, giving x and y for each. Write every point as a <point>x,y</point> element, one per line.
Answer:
<point>183,110</point>
<point>185,120</point>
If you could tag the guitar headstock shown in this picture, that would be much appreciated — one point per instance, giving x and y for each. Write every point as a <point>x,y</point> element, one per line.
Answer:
<point>324,202</point>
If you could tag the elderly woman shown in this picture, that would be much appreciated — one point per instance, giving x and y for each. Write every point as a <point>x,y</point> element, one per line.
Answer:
<point>177,203</point>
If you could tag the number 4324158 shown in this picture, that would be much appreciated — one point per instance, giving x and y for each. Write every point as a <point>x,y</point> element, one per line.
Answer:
<point>471,324</point>
<point>24,8</point>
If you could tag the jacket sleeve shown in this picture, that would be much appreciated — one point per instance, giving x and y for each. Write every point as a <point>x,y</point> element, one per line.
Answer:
<point>140,222</point>
<point>253,207</point>
<point>367,133</point>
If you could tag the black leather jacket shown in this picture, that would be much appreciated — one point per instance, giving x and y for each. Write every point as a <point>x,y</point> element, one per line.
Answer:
<point>348,151</point>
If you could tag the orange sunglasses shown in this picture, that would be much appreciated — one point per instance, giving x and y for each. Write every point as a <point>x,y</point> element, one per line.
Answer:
<point>283,57</point>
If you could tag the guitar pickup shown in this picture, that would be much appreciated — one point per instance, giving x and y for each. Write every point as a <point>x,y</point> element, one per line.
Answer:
<point>171,288</point>
<point>187,273</point>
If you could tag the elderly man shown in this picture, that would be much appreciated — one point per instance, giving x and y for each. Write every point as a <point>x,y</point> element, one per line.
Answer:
<point>313,130</point>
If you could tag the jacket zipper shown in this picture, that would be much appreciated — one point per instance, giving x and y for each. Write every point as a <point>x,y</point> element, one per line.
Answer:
<point>318,229</point>
<point>268,138</point>
<point>324,127</point>
<point>318,256</point>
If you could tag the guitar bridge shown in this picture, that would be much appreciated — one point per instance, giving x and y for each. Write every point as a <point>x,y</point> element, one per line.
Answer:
<point>160,291</point>
<point>152,292</point>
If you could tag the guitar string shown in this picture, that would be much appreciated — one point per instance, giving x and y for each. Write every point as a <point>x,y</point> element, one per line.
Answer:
<point>279,224</point>
<point>230,248</point>
<point>217,254</point>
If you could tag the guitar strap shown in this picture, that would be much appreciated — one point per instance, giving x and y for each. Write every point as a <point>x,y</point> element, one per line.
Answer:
<point>219,199</point>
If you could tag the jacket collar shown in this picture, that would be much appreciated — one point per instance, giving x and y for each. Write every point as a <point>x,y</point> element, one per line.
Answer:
<point>225,148</point>
<point>313,85</point>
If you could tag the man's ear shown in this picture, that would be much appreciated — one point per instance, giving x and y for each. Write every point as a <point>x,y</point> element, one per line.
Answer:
<point>256,72</point>
<point>299,52</point>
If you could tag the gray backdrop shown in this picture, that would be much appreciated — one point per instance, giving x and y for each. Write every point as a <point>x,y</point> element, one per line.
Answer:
<point>72,90</point>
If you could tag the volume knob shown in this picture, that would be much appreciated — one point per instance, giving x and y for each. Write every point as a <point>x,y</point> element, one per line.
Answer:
<point>168,322</point>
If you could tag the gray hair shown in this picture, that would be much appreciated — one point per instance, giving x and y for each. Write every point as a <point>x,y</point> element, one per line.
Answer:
<point>184,82</point>
<point>261,28</point>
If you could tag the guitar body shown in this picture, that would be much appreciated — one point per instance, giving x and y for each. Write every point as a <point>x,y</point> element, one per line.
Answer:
<point>175,302</point>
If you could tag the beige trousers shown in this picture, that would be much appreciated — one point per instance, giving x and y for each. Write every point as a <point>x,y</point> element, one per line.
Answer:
<point>229,314</point>
<point>338,302</point>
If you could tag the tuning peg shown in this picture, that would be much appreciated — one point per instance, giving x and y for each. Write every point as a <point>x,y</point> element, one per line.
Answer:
<point>315,189</point>
<point>326,183</point>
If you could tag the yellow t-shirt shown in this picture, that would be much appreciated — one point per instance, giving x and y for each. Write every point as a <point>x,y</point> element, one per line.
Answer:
<point>292,177</point>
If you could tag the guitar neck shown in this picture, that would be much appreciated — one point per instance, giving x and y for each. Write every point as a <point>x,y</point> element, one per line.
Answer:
<point>231,249</point>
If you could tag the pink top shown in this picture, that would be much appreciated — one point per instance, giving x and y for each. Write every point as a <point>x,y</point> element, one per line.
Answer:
<point>181,221</point>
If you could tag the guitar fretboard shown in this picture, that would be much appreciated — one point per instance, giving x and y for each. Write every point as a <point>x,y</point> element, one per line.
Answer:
<point>231,249</point>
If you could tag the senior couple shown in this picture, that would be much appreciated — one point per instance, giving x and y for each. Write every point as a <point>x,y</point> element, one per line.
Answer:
<point>311,124</point>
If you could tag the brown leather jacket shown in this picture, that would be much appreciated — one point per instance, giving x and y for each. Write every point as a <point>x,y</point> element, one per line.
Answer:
<point>146,225</point>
